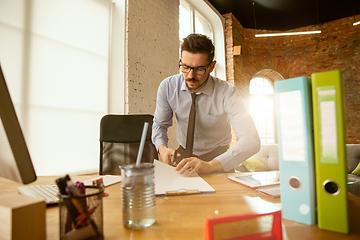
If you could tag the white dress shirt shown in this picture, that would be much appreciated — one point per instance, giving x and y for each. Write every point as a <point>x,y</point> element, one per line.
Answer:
<point>219,104</point>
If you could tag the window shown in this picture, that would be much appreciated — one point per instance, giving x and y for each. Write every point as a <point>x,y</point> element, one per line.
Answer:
<point>185,23</point>
<point>261,108</point>
<point>202,25</point>
<point>55,58</point>
<point>191,21</point>
<point>198,17</point>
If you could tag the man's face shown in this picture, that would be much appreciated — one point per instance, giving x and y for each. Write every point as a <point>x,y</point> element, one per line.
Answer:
<point>192,80</point>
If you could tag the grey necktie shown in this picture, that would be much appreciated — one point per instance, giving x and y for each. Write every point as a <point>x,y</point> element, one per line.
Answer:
<point>191,127</point>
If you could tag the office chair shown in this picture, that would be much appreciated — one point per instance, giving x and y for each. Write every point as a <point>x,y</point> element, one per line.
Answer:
<point>120,137</point>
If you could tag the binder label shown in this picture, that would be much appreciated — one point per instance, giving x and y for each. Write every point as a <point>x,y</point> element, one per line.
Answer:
<point>292,132</point>
<point>328,125</point>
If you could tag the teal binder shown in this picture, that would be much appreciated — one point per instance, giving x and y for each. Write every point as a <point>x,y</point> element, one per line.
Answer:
<point>330,151</point>
<point>296,154</point>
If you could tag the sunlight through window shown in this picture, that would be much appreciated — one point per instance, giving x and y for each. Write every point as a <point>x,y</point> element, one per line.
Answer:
<point>262,108</point>
<point>191,21</point>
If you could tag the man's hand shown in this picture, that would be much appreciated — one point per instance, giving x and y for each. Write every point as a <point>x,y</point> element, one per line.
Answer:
<point>196,165</point>
<point>166,154</point>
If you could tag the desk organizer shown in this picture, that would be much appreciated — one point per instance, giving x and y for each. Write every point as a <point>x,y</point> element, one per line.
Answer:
<point>81,217</point>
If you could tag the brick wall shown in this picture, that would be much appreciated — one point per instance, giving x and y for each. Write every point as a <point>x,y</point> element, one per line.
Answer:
<point>152,53</point>
<point>336,48</point>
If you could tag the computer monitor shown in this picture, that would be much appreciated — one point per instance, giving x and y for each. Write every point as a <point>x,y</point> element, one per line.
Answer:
<point>15,160</point>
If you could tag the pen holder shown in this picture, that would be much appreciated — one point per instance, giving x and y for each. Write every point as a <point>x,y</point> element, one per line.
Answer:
<point>81,217</point>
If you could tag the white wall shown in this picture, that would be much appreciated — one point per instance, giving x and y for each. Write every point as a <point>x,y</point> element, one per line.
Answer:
<point>152,54</point>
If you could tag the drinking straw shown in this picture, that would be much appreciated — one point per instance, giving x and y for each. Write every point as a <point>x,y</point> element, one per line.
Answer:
<point>142,143</point>
<point>141,149</point>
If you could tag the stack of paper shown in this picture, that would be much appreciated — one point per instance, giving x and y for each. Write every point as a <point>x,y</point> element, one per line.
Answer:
<point>170,182</point>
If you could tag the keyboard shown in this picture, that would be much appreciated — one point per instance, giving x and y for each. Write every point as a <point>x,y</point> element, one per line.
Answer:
<point>48,193</point>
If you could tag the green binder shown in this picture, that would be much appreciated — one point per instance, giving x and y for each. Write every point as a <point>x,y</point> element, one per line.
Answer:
<point>330,151</point>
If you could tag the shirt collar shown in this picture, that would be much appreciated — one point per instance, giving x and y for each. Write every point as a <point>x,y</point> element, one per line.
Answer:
<point>207,89</point>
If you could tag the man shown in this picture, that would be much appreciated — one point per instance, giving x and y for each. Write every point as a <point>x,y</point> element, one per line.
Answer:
<point>218,104</point>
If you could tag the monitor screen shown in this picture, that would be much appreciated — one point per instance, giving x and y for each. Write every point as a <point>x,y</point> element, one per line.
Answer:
<point>15,161</point>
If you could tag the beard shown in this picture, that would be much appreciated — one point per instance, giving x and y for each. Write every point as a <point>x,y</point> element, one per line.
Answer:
<point>194,84</point>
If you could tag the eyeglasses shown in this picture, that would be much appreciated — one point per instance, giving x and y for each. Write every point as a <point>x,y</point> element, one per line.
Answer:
<point>201,70</point>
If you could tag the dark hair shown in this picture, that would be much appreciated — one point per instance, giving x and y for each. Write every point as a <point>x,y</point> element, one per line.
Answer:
<point>198,43</point>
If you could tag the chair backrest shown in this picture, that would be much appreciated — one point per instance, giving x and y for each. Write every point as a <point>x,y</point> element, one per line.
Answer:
<point>120,137</point>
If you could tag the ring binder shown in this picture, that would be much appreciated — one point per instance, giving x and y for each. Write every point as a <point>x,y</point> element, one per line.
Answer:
<point>330,151</point>
<point>296,155</point>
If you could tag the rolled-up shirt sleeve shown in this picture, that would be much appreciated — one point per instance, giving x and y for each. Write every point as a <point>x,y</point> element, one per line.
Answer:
<point>248,141</point>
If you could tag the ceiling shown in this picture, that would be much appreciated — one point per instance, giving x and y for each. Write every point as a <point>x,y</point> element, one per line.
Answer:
<point>283,15</point>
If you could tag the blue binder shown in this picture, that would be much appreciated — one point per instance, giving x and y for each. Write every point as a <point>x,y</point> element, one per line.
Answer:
<point>296,154</point>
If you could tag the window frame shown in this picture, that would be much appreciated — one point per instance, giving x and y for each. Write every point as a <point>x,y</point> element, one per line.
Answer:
<point>216,22</point>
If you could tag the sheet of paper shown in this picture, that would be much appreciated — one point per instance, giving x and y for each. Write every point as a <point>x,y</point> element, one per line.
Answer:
<point>256,179</point>
<point>270,191</point>
<point>169,180</point>
<point>107,180</point>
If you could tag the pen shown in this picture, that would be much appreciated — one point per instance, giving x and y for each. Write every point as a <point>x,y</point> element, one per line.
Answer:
<point>72,211</point>
<point>182,192</point>
<point>79,203</point>
<point>98,183</point>
<point>80,186</point>
<point>82,218</point>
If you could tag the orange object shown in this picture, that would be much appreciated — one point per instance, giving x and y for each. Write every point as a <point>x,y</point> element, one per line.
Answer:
<point>247,226</point>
